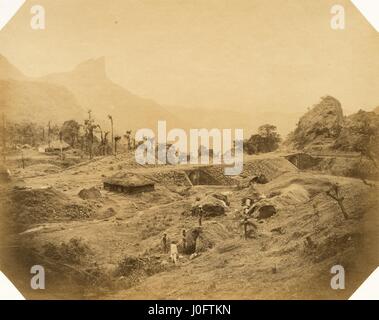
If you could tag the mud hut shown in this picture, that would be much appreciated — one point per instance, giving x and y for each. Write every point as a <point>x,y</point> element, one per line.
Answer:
<point>127,182</point>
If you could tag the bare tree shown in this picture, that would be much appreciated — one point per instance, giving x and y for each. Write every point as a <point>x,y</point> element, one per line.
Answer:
<point>335,193</point>
<point>130,141</point>
<point>48,133</point>
<point>90,126</point>
<point>103,140</point>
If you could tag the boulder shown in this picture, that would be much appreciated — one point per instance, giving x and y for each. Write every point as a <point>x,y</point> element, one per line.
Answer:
<point>263,209</point>
<point>90,194</point>
<point>260,179</point>
<point>212,207</point>
<point>192,237</point>
<point>221,197</point>
<point>196,241</point>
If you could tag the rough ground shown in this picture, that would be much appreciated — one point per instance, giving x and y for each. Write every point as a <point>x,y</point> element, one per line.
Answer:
<point>109,246</point>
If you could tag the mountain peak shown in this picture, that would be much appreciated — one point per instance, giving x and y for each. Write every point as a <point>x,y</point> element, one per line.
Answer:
<point>8,71</point>
<point>92,67</point>
<point>3,59</point>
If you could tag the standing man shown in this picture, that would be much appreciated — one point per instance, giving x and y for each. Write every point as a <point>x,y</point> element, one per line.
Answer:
<point>201,212</point>
<point>246,223</point>
<point>174,252</point>
<point>164,243</point>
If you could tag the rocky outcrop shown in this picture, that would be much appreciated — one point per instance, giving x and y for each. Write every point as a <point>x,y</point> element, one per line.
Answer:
<point>212,207</point>
<point>320,126</point>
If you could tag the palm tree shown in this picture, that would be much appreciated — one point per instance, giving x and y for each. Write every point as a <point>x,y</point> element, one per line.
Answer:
<point>128,137</point>
<point>111,119</point>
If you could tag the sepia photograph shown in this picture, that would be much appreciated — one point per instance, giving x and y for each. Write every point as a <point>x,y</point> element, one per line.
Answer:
<point>188,150</point>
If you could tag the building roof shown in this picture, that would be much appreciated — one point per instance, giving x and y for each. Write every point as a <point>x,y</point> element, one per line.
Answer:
<point>56,144</point>
<point>128,179</point>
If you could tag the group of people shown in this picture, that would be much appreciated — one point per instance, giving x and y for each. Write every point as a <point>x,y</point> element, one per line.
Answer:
<point>172,247</point>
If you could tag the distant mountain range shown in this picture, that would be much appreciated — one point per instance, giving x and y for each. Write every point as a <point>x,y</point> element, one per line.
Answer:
<point>64,96</point>
<point>69,95</point>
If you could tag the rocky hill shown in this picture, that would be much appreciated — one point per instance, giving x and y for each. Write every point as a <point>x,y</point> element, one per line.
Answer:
<point>320,126</point>
<point>325,128</point>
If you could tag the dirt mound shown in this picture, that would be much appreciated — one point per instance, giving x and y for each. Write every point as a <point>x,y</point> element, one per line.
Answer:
<point>313,184</point>
<point>170,177</point>
<point>75,251</point>
<point>132,269</point>
<point>294,194</point>
<point>43,168</point>
<point>191,175</point>
<point>90,194</point>
<point>291,195</point>
<point>202,239</point>
<point>5,174</point>
<point>269,168</point>
<point>348,167</point>
<point>30,206</point>
<point>192,239</point>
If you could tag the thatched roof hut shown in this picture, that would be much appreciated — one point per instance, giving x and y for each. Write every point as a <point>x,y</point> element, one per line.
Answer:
<point>128,182</point>
<point>54,146</point>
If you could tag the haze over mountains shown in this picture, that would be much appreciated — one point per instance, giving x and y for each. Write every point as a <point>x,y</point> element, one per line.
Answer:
<point>69,95</point>
<point>24,98</point>
<point>63,96</point>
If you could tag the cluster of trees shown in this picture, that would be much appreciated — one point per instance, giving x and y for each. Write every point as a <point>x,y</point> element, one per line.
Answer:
<point>27,133</point>
<point>92,139</point>
<point>89,136</point>
<point>266,140</point>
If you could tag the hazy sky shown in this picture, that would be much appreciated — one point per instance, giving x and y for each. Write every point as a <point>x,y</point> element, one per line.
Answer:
<point>257,55</point>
